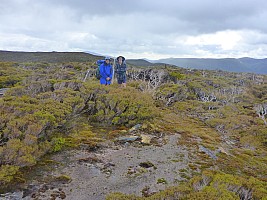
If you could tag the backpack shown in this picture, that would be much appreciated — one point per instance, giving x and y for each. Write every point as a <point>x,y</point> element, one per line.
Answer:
<point>97,73</point>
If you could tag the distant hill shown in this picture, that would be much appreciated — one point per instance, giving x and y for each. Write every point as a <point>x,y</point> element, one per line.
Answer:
<point>51,57</point>
<point>142,62</point>
<point>59,57</point>
<point>227,64</point>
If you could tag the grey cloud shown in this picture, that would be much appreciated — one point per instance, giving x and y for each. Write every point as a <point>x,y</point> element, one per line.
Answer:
<point>201,16</point>
<point>129,26</point>
<point>186,15</point>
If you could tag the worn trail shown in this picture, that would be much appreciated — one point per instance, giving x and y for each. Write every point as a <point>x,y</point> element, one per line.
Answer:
<point>128,167</point>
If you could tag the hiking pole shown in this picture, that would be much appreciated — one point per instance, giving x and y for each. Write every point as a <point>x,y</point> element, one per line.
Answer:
<point>112,80</point>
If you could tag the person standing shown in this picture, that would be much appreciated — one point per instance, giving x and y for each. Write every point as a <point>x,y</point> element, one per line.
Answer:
<point>106,71</point>
<point>120,70</point>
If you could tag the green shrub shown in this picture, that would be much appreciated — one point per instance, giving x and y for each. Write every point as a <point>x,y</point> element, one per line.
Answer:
<point>58,144</point>
<point>210,185</point>
<point>10,75</point>
<point>7,173</point>
<point>177,75</point>
<point>122,106</point>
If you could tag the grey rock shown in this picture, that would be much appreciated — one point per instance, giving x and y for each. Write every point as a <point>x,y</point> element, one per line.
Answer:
<point>2,91</point>
<point>135,128</point>
<point>128,139</point>
<point>11,196</point>
<point>207,151</point>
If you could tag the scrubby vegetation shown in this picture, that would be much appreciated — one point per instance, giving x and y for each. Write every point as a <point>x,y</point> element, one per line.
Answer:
<point>38,113</point>
<point>48,108</point>
<point>209,185</point>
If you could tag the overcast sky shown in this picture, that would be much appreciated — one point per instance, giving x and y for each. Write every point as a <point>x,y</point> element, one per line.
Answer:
<point>150,29</point>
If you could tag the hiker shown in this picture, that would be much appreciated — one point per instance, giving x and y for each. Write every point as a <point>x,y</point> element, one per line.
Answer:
<point>120,70</point>
<point>106,71</point>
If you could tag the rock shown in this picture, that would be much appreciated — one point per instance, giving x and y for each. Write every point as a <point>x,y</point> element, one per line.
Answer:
<point>128,139</point>
<point>222,150</point>
<point>2,91</point>
<point>146,139</point>
<point>135,128</point>
<point>126,144</point>
<point>11,196</point>
<point>229,142</point>
<point>208,152</point>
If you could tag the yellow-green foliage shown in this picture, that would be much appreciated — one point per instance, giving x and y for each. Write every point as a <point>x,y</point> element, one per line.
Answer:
<point>162,180</point>
<point>7,173</point>
<point>82,134</point>
<point>29,116</point>
<point>221,87</point>
<point>188,107</point>
<point>63,178</point>
<point>52,108</point>
<point>259,92</point>
<point>10,74</point>
<point>58,144</point>
<point>238,123</point>
<point>187,126</point>
<point>21,153</point>
<point>122,106</point>
<point>210,185</point>
<point>262,134</point>
<point>177,75</point>
<point>250,163</point>
<point>197,84</point>
<point>167,89</point>
<point>227,182</point>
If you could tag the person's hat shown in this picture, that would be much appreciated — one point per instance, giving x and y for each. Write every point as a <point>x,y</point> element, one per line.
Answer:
<point>121,57</point>
<point>107,58</point>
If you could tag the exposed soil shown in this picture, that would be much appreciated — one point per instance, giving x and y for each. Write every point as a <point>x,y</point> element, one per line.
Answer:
<point>115,167</point>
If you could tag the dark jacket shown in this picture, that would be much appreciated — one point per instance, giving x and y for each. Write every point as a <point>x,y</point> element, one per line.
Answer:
<point>120,70</point>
